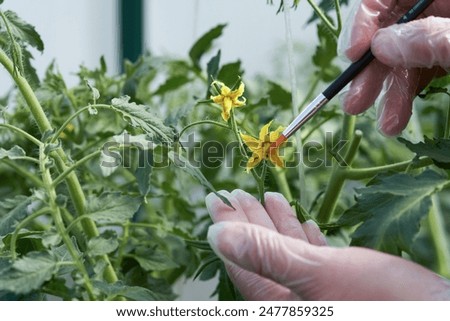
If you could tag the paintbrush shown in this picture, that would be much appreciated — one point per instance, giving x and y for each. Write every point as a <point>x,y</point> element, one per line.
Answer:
<point>339,83</point>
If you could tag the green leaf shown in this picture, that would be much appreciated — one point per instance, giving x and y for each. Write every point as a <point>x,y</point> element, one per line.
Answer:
<point>155,261</point>
<point>135,293</point>
<point>325,6</point>
<point>173,83</point>
<point>22,30</point>
<point>139,116</point>
<point>28,69</point>
<point>12,211</point>
<point>51,238</point>
<point>437,86</point>
<point>438,149</point>
<point>326,51</point>
<point>230,73</point>
<point>212,67</point>
<point>111,159</point>
<point>184,164</point>
<point>28,273</point>
<point>94,91</point>
<point>144,172</point>
<point>202,245</point>
<point>391,210</point>
<point>105,243</point>
<point>209,268</point>
<point>204,43</point>
<point>112,208</point>
<point>212,70</point>
<point>15,152</point>
<point>279,96</point>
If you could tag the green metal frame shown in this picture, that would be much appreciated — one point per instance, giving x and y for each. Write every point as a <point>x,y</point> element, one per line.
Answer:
<point>131,27</point>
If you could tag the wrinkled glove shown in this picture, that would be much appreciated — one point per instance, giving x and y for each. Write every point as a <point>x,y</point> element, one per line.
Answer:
<point>269,255</point>
<point>408,57</point>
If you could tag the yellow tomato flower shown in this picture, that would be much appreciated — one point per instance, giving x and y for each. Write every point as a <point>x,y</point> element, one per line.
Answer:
<point>228,98</point>
<point>262,147</point>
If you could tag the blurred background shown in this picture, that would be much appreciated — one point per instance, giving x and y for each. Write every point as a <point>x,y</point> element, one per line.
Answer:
<point>80,32</point>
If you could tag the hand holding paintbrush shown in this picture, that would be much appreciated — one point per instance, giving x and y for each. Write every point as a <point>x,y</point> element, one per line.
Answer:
<point>409,55</point>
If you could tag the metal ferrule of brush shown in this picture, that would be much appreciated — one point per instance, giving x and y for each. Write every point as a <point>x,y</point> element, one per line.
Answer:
<point>305,115</point>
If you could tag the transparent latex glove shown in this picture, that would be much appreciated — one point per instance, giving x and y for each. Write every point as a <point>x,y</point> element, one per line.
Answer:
<point>269,255</point>
<point>408,57</point>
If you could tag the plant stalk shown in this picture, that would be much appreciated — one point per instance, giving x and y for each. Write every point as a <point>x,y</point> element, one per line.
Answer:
<point>61,159</point>
<point>337,180</point>
<point>439,236</point>
<point>59,224</point>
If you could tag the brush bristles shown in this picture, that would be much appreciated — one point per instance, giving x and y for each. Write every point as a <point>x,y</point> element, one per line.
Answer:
<point>279,141</point>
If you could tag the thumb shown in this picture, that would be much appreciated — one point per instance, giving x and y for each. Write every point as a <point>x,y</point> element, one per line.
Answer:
<point>421,43</point>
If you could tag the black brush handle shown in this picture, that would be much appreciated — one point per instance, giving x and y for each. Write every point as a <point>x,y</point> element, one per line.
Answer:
<point>355,68</point>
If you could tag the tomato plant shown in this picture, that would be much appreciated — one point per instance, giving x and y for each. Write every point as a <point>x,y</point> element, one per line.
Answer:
<point>103,183</point>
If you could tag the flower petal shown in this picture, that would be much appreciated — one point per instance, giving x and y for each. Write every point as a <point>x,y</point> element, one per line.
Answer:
<point>252,162</point>
<point>252,143</point>
<point>238,92</point>
<point>275,158</point>
<point>264,131</point>
<point>217,99</point>
<point>275,134</point>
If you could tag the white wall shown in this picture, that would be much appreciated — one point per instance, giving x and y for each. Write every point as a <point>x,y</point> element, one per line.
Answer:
<point>74,33</point>
<point>79,32</point>
<point>254,31</point>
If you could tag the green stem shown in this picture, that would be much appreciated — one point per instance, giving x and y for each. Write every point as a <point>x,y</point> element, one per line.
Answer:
<point>147,225</point>
<point>73,103</point>
<point>17,57</point>
<point>261,187</point>
<point>363,173</point>
<point>447,124</point>
<point>337,181</point>
<point>282,182</point>
<point>74,166</point>
<point>348,127</point>
<point>212,122</point>
<point>28,94</point>
<point>21,225</point>
<point>123,244</point>
<point>323,17</point>
<point>23,172</point>
<point>337,7</point>
<point>31,138</point>
<point>59,224</point>
<point>61,159</point>
<point>238,137</point>
<point>439,236</point>
<point>74,115</point>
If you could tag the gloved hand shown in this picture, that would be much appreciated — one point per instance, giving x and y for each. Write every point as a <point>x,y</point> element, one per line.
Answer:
<point>269,255</point>
<point>408,57</point>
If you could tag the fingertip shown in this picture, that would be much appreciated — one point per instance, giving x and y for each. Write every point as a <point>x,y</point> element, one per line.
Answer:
<point>276,200</point>
<point>365,88</point>
<point>314,234</point>
<point>396,104</point>
<point>243,196</point>
<point>220,211</point>
<point>389,126</point>
<point>214,231</point>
